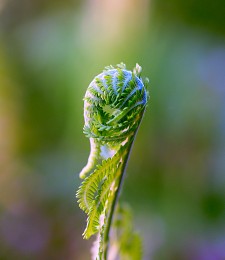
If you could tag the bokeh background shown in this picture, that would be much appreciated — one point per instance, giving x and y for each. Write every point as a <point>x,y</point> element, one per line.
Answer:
<point>50,50</point>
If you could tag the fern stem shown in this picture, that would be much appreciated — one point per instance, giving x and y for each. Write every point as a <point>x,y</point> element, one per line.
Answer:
<point>114,105</point>
<point>106,240</point>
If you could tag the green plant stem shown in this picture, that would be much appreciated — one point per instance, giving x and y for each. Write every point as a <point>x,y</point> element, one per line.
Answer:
<point>116,197</point>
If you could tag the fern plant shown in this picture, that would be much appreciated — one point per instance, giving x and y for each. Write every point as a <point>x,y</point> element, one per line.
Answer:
<point>114,105</point>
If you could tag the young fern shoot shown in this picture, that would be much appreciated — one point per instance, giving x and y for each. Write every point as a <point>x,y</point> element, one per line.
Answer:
<point>114,105</point>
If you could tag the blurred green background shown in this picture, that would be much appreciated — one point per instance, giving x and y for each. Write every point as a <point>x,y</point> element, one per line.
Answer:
<point>49,53</point>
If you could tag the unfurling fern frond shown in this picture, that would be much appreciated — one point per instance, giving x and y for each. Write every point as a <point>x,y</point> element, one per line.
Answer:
<point>114,105</point>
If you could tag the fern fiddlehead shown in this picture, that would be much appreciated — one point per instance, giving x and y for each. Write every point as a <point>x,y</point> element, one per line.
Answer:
<point>114,105</point>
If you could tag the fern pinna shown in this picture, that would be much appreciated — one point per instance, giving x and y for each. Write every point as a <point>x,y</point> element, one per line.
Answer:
<point>114,105</point>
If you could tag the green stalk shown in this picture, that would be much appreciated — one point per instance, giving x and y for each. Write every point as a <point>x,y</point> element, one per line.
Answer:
<point>114,105</point>
<point>106,240</point>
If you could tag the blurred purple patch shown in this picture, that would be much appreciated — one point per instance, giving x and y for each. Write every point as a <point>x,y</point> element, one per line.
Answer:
<point>211,69</point>
<point>209,250</point>
<point>24,231</point>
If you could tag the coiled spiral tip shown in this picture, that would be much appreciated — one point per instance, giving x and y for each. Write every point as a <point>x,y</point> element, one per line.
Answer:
<point>113,106</point>
<point>113,101</point>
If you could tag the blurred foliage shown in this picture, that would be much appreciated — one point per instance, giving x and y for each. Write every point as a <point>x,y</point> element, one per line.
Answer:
<point>49,53</point>
<point>206,15</point>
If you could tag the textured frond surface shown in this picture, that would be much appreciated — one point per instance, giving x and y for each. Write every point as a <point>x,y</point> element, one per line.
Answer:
<point>114,105</point>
